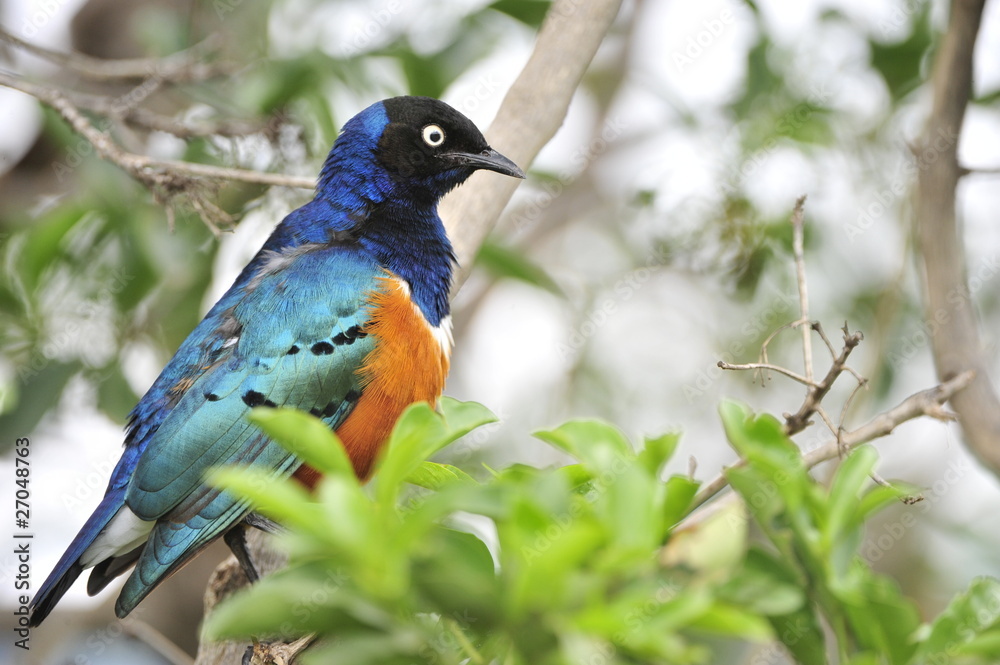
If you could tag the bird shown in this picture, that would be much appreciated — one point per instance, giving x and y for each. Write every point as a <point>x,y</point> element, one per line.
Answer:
<point>343,313</point>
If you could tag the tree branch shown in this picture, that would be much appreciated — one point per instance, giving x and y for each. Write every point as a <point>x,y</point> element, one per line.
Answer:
<point>928,402</point>
<point>183,66</point>
<point>798,251</point>
<point>531,112</point>
<point>800,420</point>
<point>147,170</point>
<point>956,345</point>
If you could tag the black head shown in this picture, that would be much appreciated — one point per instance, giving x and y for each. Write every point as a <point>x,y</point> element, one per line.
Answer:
<point>430,142</point>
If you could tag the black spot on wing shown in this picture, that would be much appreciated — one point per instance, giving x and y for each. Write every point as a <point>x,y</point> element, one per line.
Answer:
<point>349,335</point>
<point>322,348</point>
<point>253,398</point>
<point>292,351</point>
<point>212,397</point>
<point>331,408</point>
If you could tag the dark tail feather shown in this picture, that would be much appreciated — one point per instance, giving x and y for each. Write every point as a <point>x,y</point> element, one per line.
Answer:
<point>106,571</point>
<point>51,593</point>
<point>69,567</point>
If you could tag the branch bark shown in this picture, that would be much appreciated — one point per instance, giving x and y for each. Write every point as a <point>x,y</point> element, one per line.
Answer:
<point>531,112</point>
<point>956,344</point>
<point>227,579</point>
<point>147,170</point>
<point>183,66</point>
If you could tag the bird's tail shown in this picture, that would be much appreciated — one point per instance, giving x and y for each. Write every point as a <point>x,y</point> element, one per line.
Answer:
<point>69,567</point>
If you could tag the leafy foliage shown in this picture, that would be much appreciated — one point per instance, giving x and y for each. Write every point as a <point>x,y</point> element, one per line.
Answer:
<point>583,562</point>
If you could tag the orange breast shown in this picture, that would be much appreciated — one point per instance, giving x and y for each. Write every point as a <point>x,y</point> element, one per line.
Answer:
<point>407,365</point>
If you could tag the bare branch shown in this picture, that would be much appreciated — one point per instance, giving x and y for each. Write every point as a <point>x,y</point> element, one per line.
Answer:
<point>798,251</point>
<point>928,402</point>
<point>800,420</point>
<point>818,327</point>
<point>956,344</point>
<point>150,171</point>
<point>770,368</point>
<point>925,403</point>
<point>157,641</point>
<point>146,119</point>
<point>178,67</point>
<point>983,170</point>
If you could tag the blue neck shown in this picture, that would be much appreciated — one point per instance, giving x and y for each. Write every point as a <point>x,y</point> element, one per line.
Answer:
<point>411,243</point>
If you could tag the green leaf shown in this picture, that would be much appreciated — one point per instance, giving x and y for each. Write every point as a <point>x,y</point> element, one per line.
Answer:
<point>115,397</point>
<point>447,555</point>
<point>629,510</point>
<point>881,619</point>
<point>880,497</point>
<point>434,476</point>
<point>462,418</point>
<point>802,636</point>
<point>44,242</point>
<point>845,494</point>
<point>657,451</point>
<point>970,614</point>
<point>278,498</point>
<point>900,63</point>
<point>679,492</point>
<point>290,602</point>
<point>42,383</point>
<point>259,610</point>
<point>601,447</point>
<point>502,261</point>
<point>529,12</point>
<point>731,621</point>
<point>767,584</point>
<point>421,432</point>
<point>760,494</point>
<point>758,438</point>
<point>352,525</point>
<point>306,437</point>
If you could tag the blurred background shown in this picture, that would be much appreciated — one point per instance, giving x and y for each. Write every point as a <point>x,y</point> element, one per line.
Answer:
<point>650,241</point>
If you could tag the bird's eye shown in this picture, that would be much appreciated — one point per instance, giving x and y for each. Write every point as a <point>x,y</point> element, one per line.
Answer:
<point>433,135</point>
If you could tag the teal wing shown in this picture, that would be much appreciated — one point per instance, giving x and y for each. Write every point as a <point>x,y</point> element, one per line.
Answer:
<point>297,340</point>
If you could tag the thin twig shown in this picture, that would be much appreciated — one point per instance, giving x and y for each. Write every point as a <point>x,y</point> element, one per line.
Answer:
<point>928,402</point>
<point>818,327</point>
<point>971,170</point>
<point>769,367</point>
<point>178,67</point>
<point>157,641</point>
<point>847,405</point>
<point>798,244</point>
<point>146,119</point>
<point>763,347</point>
<point>826,420</point>
<point>152,172</point>
<point>800,420</point>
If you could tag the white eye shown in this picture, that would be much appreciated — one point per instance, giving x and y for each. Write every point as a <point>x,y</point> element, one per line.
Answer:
<point>433,135</point>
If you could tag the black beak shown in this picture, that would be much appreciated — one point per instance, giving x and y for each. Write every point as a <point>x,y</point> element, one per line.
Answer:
<point>488,159</point>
